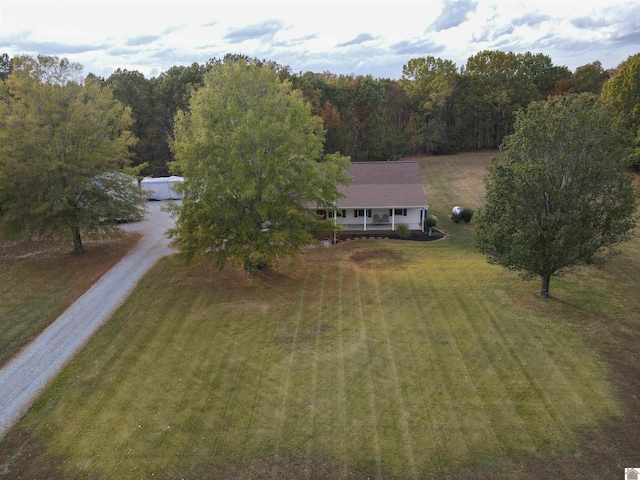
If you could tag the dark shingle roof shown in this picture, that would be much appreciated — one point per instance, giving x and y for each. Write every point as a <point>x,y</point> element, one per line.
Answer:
<point>389,173</point>
<point>383,184</point>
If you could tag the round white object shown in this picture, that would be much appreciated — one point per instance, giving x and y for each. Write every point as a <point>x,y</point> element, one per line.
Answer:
<point>457,210</point>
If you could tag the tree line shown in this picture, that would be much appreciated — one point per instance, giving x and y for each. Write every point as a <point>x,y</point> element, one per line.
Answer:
<point>434,108</point>
<point>259,143</point>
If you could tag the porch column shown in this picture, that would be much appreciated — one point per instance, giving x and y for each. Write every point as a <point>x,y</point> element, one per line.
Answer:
<point>365,219</point>
<point>393,219</point>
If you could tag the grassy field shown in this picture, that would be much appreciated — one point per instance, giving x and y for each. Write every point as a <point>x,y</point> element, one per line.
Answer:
<point>37,283</point>
<point>370,359</point>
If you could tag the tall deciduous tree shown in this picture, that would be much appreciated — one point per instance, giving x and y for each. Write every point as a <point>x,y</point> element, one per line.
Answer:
<point>543,73</point>
<point>430,83</point>
<point>589,78</point>
<point>251,154</point>
<point>495,85</point>
<point>560,195</point>
<point>623,91</point>
<point>369,110</point>
<point>135,91</point>
<point>62,144</point>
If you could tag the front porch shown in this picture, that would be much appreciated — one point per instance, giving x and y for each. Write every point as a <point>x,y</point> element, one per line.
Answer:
<point>376,219</point>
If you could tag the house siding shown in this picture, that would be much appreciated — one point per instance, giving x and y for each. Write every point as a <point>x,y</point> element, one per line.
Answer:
<point>377,216</point>
<point>390,192</point>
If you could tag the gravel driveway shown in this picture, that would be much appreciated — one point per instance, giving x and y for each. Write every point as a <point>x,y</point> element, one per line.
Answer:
<point>32,369</point>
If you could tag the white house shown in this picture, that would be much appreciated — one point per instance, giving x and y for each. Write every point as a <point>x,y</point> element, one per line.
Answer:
<point>382,196</point>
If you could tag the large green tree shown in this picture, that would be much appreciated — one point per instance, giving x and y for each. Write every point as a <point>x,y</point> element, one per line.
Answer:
<point>560,195</point>
<point>132,89</point>
<point>589,78</point>
<point>494,86</point>
<point>252,157</point>
<point>623,91</point>
<point>430,83</point>
<point>63,145</point>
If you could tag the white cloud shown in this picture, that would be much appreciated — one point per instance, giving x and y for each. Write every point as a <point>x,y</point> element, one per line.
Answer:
<point>375,37</point>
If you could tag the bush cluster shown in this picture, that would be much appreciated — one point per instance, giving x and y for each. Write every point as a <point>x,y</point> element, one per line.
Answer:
<point>465,215</point>
<point>430,221</point>
<point>403,230</point>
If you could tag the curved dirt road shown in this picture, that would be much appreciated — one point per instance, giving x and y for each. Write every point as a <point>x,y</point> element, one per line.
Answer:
<point>31,370</point>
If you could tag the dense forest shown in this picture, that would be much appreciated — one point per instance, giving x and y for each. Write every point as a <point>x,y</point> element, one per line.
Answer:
<point>435,107</point>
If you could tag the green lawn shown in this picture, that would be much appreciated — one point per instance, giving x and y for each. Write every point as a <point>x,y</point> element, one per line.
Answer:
<point>372,358</point>
<point>38,282</point>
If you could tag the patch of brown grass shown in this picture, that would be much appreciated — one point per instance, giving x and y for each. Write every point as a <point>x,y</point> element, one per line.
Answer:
<point>40,281</point>
<point>378,258</point>
<point>25,456</point>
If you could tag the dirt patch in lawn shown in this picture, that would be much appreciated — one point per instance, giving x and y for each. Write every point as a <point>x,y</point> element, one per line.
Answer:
<point>378,258</point>
<point>25,456</point>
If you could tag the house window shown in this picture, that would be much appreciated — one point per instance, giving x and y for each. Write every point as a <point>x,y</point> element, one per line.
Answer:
<point>337,213</point>
<point>398,211</point>
<point>360,213</point>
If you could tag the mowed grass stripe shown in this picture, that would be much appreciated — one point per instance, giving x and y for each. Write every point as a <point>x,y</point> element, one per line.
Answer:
<point>202,385</point>
<point>525,396</point>
<point>483,354</point>
<point>371,409</point>
<point>367,429</point>
<point>108,365</point>
<point>418,396</point>
<point>255,433</point>
<point>457,395</point>
<point>314,401</point>
<point>448,438</point>
<point>282,419</point>
<point>498,375</point>
<point>182,362</point>
<point>407,458</point>
<point>564,366</point>
<point>340,365</point>
<point>512,354</point>
<point>530,400</point>
<point>547,395</point>
<point>328,403</point>
<point>341,390</point>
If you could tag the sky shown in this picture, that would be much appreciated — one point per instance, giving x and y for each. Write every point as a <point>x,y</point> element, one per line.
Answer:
<point>341,37</point>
